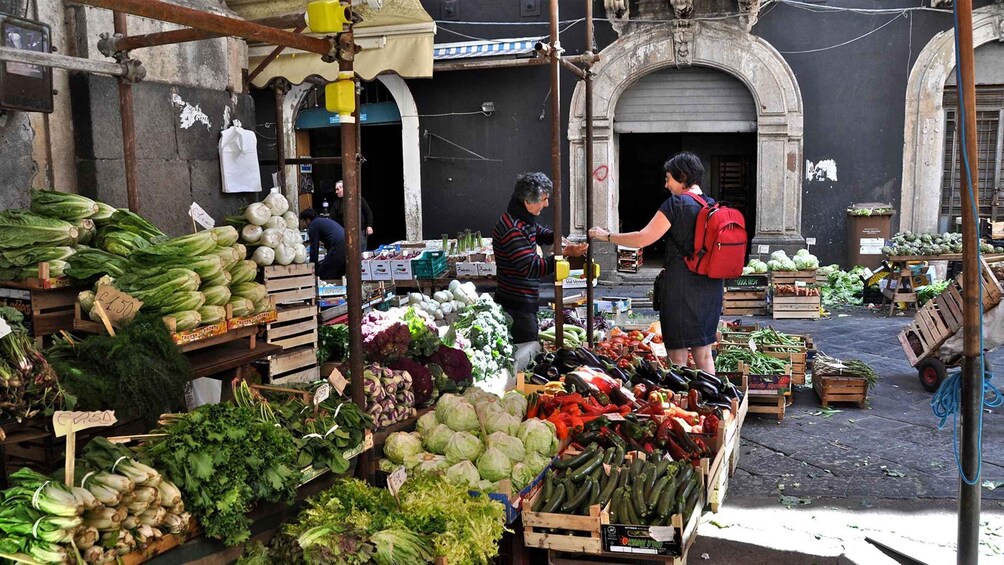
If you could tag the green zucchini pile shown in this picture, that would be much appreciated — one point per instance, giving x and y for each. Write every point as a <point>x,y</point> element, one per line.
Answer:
<point>634,491</point>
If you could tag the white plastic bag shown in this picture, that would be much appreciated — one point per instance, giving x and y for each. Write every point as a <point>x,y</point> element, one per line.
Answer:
<point>239,160</point>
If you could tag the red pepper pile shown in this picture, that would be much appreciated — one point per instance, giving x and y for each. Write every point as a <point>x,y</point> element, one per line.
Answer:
<point>570,412</point>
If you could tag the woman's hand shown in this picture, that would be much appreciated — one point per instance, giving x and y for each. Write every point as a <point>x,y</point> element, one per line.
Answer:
<point>599,234</point>
<point>575,249</point>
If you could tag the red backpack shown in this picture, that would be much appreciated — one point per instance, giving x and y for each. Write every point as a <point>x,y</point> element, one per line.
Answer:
<point>719,241</point>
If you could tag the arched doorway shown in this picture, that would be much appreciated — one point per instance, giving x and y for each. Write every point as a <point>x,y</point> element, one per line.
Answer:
<point>924,131</point>
<point>715,45</point>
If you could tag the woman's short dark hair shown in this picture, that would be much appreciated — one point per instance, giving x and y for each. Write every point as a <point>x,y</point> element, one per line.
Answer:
<point>309,214</point>
<point>686,168</point>
<point>532,187</point>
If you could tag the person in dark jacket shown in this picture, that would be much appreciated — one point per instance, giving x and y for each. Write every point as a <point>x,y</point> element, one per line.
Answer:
<point>520,267</point>
<point>332,235</point>
<point>338,213</point>
<point>691,304</point>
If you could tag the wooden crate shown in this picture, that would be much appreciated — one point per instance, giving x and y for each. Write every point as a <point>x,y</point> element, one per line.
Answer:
<point>768,405</point>
<point>795,307</point>
<point>46,311</point>
<point>840,389</point>
<point>296,365</point>
<point>294,326</point>
<point>793,277</point>
<point>745,302</point>
<point>797,360</point>
<point>933,324</point>
<point>584,531</point>
<point>291,284</point>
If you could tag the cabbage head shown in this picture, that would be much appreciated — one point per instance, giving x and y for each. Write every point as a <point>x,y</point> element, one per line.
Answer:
<point>444,405</point>
<point>537,436</point>
<point>488,486</point>
<point>461,417</point>
<point>779,255</point>
<point>494,465</point>
<point>515,404</point>
<point>788,265</point>
<point>400,445</point>
<point>474,395</point>
<point>501,422</point>
<point>437,440</point>
<point>427,423</point>
<point>801,253</point>
<point>522,476</point>
<point>463,474</point>
<point>463,447</point>
<point>536,462</point>
<point>426,462</point>
<point>511,446</point>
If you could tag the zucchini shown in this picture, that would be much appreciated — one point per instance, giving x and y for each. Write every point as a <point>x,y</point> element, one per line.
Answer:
<point>608,457</point>
<point>576,460</point>
<point>636,467</point>
<point>597,473</point>
<point>629,511</point>
<point>594,497</point>
<point>662,466</point>
<point>615,505</point>
<point>638,495</point>
<point>610,486</point>
<point>690,505</point>
<point>656,494</point>
<point>625,473</point>
<point>579,474</point>
<point>666,498</point>
<point>548,486</point>
<point>540,503</point>
<point>650,477</point>
<point>559,497</point>
<point>618,456</point>
<point>582,496</point>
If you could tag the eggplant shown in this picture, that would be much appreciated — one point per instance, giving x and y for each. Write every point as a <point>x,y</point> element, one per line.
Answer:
<point>566,360</point>
<point>707,391</point>
<point>538,379</point>
<point>589,358</point>
<point>578,384</point>
<point>622,396</point>
<point>649,385</point>
<point>674,382</point>
<point>710,379</point>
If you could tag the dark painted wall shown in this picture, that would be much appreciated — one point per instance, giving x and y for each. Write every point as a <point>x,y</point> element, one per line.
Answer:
<point>853,98</point>
<point>177,165</point>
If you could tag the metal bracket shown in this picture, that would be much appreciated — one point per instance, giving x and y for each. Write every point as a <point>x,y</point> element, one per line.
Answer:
<point>134,70</point>
<point>106,45</point>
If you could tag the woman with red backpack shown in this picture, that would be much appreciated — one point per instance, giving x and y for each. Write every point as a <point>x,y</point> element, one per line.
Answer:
<point>689,304</point>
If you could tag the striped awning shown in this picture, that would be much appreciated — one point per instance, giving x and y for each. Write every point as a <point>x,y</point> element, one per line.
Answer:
<point>487,48</point>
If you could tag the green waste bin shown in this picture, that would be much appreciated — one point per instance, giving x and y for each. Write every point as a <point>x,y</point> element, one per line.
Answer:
<point>869,225</point>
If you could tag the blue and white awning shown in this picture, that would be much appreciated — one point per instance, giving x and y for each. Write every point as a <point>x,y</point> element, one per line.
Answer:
<point>486,48</point>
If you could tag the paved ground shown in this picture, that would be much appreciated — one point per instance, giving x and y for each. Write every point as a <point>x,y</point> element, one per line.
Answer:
<point>812,488</point>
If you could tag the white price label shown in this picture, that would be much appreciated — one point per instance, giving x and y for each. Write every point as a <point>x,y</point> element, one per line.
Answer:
<point>752,345</point>
<point>200,216</point>
<point>337,380</point>
<point>800,284</point>
<point>66,422</point>
<point>396,479</point>
<point>763,249</point>
<point>810,241</point>
<point>868,273</point>
<point>615,417</point>
<point>4,328</point>
<point>323,392</point>
<point>659,350</point>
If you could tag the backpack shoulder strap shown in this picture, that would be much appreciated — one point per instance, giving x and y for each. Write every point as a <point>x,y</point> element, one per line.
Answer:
<point>696,198</point>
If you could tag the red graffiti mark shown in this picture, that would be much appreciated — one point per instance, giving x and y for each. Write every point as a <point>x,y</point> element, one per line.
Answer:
<point>600,173</point>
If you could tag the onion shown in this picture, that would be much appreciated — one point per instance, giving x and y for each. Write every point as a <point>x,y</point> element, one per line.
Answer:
<point>284,254</point>
<point>271,237</point>
<point>275,222</point>
<point>276,203</point>
<point>257,213</point>
<point>251,233</point>
<point>264,256</point>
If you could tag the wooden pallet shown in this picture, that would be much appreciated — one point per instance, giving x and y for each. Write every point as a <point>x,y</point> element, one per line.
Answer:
<point>840,389</point>
<point>46,311</point>
<point>795,307</point>
<point>745,302</point>
<point>768,405</point>
<point>297,365</point>
<point>294,326</point>
<point>291,284</point>
<point>793,277</point>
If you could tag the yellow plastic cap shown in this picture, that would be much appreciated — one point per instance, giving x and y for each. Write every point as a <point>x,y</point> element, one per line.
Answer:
<point>327,16</point>
<point>340,96</point>
<point>561,270</point>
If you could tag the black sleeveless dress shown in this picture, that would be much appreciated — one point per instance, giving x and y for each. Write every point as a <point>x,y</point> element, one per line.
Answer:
<point>691,303</point>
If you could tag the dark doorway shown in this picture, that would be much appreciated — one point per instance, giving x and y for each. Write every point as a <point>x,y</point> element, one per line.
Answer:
<point>730,174</point>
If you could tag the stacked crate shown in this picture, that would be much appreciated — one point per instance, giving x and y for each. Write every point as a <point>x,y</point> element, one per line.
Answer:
<point>629,259</point>
<point>746,296</point>
<point>794,307</point>
<point>294,288</point>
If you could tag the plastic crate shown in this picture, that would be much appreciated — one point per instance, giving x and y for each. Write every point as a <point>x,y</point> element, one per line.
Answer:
<point>429,265</point>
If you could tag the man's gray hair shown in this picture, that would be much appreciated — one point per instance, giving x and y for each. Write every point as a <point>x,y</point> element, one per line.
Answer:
<point>532,187</point>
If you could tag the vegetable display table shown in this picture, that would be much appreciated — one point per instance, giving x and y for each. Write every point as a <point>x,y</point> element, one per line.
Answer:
<point>226,357</point>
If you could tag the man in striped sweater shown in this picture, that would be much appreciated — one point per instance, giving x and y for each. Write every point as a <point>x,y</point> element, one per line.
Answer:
<point>520,267</point>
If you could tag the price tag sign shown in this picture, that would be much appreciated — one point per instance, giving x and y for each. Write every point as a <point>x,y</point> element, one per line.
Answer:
<point>118,306</point>
<point>65,422</point>
<point>800,284</point>
<point>396,479</point>
<point>4,328</point>
<point>200,216</point>
<point>338,381</point>
<point>752,345</point>
<point>763,249</point>
<point>323,392</point>
<point>615,417</point>
<point>659,350</point>
<point>810,241</point>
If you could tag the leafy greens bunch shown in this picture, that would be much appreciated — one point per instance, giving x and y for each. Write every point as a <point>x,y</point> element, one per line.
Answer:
<point>225,459</point>
<point>483,332</point>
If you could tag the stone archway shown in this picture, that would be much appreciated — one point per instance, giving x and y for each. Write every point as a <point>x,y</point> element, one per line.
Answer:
<point>721,46</point>
<point>924,129</point>
<point>410,143</point>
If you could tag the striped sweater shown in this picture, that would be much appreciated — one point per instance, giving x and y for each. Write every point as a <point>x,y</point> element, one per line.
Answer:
<point>520,267</point>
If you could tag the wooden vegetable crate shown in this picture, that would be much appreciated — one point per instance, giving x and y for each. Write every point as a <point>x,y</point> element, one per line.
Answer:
<point>935,322</point>
<point>294,289</point>
<point>795,307</point>
<point>793,277</point>
<point>745,303</point>
<point>840,389</point>
<point>46,311</point>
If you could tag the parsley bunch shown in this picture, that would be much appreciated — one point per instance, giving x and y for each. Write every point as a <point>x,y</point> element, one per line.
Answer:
<point>224,459</point>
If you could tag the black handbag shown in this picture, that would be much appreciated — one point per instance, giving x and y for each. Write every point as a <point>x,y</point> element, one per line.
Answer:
<point>657,291</point>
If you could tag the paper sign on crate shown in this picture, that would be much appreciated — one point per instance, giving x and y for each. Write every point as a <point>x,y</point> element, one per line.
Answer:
<point>65,422</point>
<point>118,306</point>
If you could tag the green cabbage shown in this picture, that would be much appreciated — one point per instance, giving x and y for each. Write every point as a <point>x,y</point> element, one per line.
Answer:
<point>444,404</point>
<point>536,436</point>
<point>536,462</point>
<point>463,446</point>
<point>426,424</point>
<point>494,465</point>
<point>511,446</point>
<point>522,476</point>
<point>474,395</point>
<point>437,440</point>
<point>515,404</point>
<point>424,461</point>
<point>501,422</point>
<point>463,474</point>
<point>402,444</point>
<point>461,417</point>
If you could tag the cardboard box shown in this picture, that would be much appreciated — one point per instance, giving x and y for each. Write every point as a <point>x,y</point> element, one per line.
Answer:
<point>401,269</point>
<point>468,270</point>
<point>577,279</point>
<point>366,270</point>
<point>489,269</point>
<point>613,304</point>
<point>380,270</point>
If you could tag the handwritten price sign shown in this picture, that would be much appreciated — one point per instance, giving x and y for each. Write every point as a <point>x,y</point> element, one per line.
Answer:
<point>118,306</point>
<point>65,422</point>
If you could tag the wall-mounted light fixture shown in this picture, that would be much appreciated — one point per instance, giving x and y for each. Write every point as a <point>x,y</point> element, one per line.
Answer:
<point>488,108</point>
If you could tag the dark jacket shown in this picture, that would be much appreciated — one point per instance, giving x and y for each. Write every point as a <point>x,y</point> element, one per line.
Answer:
<point>338,212</point>
<point>331,234</point>
<point>520,268</point>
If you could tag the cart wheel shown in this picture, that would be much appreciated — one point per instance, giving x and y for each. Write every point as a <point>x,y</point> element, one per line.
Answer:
<point>931,372</point>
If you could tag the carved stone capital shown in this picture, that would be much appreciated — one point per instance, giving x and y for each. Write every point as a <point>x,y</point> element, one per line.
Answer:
<point>683,43</point>
<point>682,9</point>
